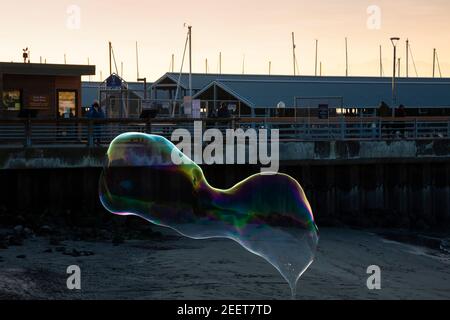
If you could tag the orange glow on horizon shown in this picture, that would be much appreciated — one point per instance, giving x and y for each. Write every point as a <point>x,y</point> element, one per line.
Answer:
<point>260,30</point>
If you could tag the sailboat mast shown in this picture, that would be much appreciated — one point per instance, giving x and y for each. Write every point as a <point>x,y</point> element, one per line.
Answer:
<point>294,58</point>
<point>407,58</point>
<point>110,57</point>
<point>346,57</point>
<point>381,61</point>
<point>190,60</point>
<point>317,47</point>
<point>137,61</point>
<point>434,62</point>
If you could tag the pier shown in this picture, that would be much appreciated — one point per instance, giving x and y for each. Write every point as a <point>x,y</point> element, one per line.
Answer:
<point>79,143</point>
<point>371,172</point>
<point>360,161</point>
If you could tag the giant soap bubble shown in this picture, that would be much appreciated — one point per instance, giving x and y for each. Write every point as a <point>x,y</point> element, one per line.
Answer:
<point>268,215</point>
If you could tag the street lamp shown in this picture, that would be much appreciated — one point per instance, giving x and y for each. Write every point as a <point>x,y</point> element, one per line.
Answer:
<point>394,41</point>
<point>145,86</point>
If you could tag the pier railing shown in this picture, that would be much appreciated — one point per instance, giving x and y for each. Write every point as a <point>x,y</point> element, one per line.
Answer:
<point>129,108</point>
<point>79,132</point>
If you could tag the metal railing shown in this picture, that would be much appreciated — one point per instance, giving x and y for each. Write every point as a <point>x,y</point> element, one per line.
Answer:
<point>165,108</point>
<point>359,128</point>
<point>132,108</point>
<point>76,132</point>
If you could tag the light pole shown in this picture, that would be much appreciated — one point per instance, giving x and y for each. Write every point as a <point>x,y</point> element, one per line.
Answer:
<point>145,86</point>
<point>394,41</point>
<point>190,60</point>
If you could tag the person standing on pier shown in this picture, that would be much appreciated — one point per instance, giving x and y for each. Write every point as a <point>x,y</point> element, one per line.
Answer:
<point>224,112</point>
<point>96,113</point>
<point>384,111</point>
<point>401,113</point>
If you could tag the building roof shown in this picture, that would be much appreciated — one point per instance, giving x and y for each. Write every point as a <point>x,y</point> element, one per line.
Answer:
<point>46,69</point>
<point>91,90</point>
<point>201,80</point>
<point>138,88</point>
<point>268,91</point>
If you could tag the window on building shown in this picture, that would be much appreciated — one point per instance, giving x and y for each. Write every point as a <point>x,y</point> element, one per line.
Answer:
<point>67,104</point>
<point>12,100</point>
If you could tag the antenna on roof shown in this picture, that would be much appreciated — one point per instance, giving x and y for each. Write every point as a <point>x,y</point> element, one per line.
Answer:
<point>65,58</point>
<point>220,62</point>
<point>270,68</point>
<point>26,54</point>
<point>206,65</point>
<point>121,69</point>
<point>320,68</point>
<point>399,67</point>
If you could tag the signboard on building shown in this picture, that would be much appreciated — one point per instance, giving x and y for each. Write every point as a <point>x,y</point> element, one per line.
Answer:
<point>147,104</point>
<point>38,101</point>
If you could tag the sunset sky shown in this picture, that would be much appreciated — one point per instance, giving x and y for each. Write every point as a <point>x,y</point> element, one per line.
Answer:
<point>259,29</point>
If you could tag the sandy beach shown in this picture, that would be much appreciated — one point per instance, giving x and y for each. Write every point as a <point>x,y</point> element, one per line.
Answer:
<point>178,268</point>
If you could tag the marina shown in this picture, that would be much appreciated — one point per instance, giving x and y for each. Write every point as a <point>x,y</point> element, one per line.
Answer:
<point>338,135</point>
<point>224,150</point>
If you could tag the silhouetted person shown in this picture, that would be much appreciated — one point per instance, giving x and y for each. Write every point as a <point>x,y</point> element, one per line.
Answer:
<point>211,112</point>
<point>401,113</point>
<point>224,112</point>
<point>96,113</point>
<point>384,110</point>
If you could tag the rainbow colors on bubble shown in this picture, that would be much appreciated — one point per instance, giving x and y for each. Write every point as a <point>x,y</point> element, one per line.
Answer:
<point>268,215</point>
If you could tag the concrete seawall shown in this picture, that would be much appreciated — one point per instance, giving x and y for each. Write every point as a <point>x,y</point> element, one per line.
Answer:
<point>369,195</point>
<point>365,150</point>
<point>400,184</point>
<point>298,152</point>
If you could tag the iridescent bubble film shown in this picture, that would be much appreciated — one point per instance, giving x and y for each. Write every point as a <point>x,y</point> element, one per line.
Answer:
<point>268,215</point>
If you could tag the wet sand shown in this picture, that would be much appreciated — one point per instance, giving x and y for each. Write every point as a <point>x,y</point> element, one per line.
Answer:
<point>180,268</point>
